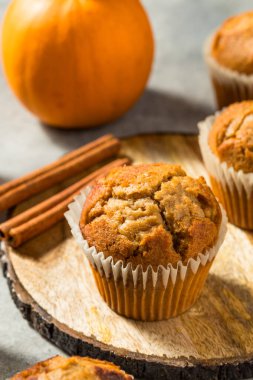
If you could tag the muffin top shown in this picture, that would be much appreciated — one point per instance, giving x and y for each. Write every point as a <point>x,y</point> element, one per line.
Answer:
<point>232,45</point>
<point>59,368</point>
<point>150,214</point>
<point>231,136</point>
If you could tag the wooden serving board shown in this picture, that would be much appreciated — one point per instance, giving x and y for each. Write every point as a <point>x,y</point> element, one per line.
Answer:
<point>52,285</point>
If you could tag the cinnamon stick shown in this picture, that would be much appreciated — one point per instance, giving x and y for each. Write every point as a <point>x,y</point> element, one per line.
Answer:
<point>69,165</point>
<point>41,217</point>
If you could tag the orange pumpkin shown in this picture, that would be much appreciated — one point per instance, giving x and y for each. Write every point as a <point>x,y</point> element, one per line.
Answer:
<point>77,63</point>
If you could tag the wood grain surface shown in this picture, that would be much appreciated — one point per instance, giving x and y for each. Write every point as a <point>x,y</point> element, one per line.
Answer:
<point>213,340</point>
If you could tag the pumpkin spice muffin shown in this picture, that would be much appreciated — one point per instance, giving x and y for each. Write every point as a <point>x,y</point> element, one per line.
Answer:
<point>229,56</point>
<point>231,136</point>
<point>59,368</point>
<point>159,230</point>
<point>227,148</point>
<point>151,215</point>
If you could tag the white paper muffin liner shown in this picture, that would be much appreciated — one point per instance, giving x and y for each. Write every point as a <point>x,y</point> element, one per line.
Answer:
<point>230,86</point>
<point>161,277</point>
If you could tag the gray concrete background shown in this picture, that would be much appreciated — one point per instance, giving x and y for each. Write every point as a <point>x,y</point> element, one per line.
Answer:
<point>178,95</point>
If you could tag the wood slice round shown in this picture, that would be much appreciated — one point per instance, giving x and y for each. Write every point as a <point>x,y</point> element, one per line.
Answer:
<point>52,285</point>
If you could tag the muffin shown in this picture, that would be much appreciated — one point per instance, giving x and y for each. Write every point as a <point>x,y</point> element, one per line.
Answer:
<point>229,56</point>
<point>155,232</point>
<point>226,142</point>
<point>59,368</point>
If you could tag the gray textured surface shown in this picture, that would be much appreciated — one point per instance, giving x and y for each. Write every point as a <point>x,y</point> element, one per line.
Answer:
<point>178,95</point>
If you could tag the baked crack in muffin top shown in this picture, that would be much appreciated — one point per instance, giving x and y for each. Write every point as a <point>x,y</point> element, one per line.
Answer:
<point>151,214</point>
<point>231,136</point>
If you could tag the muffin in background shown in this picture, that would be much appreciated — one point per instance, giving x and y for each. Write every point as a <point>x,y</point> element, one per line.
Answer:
<point>229,56</point>
<point>226,142</point>
<point>75,367</point>
<point>150,233</point>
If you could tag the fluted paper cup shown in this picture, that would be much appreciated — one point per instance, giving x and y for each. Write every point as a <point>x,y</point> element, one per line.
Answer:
<point>234,189</point>
<point>151,294</point>
<point>229,86</point>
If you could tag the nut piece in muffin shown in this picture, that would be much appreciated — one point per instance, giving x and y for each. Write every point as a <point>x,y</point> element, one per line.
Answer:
<point>59,368</point>
<point>151,214</point>
<point>232,45</point>
<point>231,136</point>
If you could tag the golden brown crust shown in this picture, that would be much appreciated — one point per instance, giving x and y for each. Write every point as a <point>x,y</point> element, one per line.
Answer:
<point>231,136</point>
<point>232,45</point>
<point>151,214</point>
<point>59,368</point>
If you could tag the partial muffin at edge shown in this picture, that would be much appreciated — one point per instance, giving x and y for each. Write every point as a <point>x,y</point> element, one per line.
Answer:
<point>232,44</point>
<point>231,136</point>
<point>151,214</point>
<point>78,368</point>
